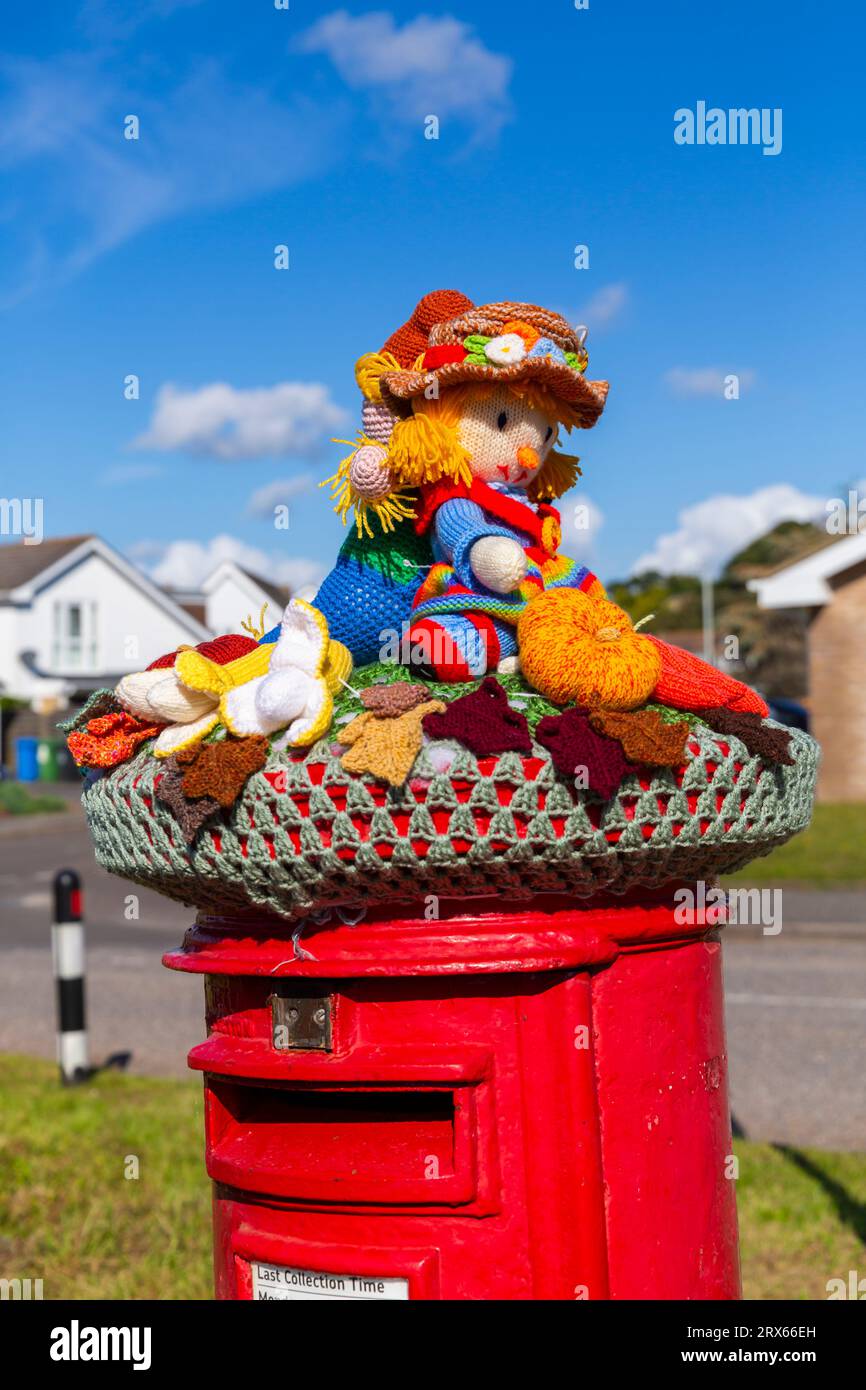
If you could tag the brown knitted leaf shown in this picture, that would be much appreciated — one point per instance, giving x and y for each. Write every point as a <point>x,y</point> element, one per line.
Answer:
<point>221,769</point>
<point>762,740</point>
<point>190,815</point>
<point>393,699</point>
<point>645,737</point>
<point>184,756</point>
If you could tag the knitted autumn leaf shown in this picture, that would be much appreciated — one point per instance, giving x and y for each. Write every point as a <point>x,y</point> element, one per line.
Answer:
<point>219,770</point>
<point>110,739</point>
<point>483,721</point>
<point>762,740</point>
<point>386,747</point>
<point>394,699</point>
<point>577,748</point>
<point>645,737</point>
<point>190,815</point>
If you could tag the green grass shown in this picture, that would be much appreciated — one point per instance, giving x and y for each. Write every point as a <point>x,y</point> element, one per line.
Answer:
<point>802,1219</point>
<point>15,800</point>
<point>69,1216</point>
<point>831,852</point>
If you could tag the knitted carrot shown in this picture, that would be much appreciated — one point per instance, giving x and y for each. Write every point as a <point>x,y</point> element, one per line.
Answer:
<point>686,682</point>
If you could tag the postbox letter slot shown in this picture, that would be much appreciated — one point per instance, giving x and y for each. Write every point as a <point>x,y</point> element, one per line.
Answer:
<point>347,1144</point>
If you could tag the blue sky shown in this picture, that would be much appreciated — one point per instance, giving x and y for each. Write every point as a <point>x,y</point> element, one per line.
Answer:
<point>261,126</point>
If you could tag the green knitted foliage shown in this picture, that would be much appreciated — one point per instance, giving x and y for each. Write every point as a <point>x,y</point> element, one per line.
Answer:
<point>505,825</point>
<point>398,554</point>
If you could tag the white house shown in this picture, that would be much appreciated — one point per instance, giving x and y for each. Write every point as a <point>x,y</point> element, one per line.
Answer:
<point>75,616</point>
<point>232,595</point>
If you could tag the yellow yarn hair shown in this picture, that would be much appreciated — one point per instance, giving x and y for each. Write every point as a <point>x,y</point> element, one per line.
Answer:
<point>582,649</point>
<point>425,448</point>
<point>395,506</point>
<point>368,370</point>
<point>557,475</point>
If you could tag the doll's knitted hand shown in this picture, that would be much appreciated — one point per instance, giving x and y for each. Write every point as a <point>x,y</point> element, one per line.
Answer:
<point>498,563</point>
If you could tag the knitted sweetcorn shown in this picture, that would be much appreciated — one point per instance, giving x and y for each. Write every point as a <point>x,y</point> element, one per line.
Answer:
<point>583,650</point>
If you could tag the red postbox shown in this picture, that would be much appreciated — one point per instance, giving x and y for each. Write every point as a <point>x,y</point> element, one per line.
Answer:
<point>499,1103</point>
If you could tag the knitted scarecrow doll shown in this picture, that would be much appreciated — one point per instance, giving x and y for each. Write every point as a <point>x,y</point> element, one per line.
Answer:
<point>457,463</point>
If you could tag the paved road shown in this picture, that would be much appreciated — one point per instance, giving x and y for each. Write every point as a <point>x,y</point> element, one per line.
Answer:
<point>133,1002</point>
<point>796,1001</point>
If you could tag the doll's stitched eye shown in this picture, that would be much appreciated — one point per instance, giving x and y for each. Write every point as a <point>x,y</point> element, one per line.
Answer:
<point>549,433</point>
<point>502,421</point>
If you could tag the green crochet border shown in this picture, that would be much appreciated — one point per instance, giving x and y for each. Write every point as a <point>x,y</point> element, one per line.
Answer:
<point>735,818</point>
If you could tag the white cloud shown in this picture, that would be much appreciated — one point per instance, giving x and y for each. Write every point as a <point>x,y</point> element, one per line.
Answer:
<point>705,381</point>
<point>430,66</point>
<point>185,564</point>
<point>278,494</point>
<point>710,532</point>
<point>205,142</point>
<point>604,306</point>
<point>220,421</point>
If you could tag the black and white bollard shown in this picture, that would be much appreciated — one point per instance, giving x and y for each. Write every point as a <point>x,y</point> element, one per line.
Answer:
<point>67,947</point>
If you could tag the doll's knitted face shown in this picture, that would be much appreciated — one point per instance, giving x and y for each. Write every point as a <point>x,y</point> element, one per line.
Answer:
<point>506,438</point>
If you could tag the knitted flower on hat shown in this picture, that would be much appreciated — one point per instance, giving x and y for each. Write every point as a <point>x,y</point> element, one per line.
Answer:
<point>501,342</point>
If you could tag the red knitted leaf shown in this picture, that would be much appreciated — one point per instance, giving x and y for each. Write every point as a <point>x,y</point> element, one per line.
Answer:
<point>482,721</point>
<point>574,746</point>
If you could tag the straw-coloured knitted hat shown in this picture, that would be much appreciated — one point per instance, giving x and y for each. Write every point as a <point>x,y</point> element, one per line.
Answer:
<point>449,340</point>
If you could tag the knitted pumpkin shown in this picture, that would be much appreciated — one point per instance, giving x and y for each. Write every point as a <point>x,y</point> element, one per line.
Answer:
<point>575,648</point>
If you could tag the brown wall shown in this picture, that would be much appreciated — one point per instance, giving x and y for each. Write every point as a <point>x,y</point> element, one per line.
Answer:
<point>837,688</point>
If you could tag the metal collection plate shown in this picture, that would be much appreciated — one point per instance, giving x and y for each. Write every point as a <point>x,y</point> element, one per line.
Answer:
<point>301,1022</point>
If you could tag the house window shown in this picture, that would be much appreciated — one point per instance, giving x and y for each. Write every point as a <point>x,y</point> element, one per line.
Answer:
<point>75,643</point>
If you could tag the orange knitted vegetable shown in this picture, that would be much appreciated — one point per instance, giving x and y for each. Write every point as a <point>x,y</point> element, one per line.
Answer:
<point>575,648</point>
<point>686,682</point>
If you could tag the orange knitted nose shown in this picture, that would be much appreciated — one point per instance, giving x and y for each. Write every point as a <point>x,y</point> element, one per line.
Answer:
<point>527,457</point>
